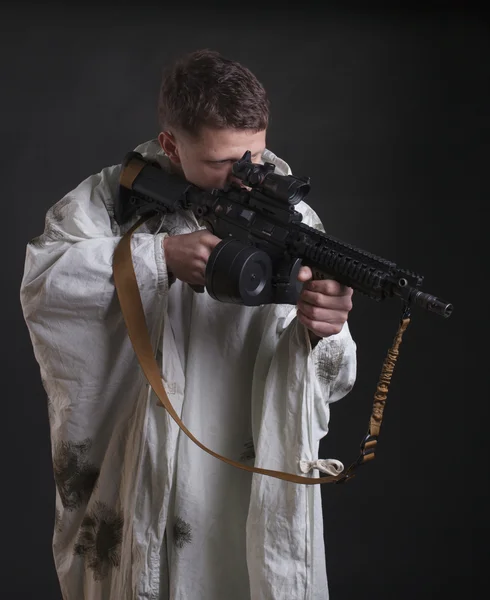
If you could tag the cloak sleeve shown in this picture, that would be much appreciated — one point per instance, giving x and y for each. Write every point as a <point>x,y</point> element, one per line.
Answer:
<point>70,306</point>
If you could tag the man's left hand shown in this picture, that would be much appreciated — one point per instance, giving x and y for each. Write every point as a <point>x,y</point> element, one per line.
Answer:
<point>323,306</point>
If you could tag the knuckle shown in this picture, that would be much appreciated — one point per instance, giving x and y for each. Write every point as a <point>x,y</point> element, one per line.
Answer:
<point>348,304</point>
<point>315,299</point>
<point>210,239</point>
<point>318,299</point>
<point>202,254</point>
<point>315,313</point>
<point>310,311</point>
<point>303,318</point>
<point>306,295</point>
<point>333,287</point>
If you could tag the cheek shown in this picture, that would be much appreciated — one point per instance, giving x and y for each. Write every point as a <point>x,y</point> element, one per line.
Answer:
<point>204,176</point>
<point>212,179</point>
<point>191,173</point>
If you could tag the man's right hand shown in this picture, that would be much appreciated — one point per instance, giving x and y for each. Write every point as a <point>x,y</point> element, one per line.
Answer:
<point>186,255</point>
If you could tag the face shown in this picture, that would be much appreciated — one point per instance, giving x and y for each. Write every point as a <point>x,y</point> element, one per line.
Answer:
<point>206,161</point>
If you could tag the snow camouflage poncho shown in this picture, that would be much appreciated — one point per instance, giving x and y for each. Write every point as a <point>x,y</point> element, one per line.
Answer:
<point>141,511</point>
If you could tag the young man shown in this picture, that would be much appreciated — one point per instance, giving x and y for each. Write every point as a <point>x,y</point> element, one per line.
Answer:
<point>141,511</point>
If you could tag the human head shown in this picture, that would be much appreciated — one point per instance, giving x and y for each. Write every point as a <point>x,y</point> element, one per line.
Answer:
<point>211,110</point>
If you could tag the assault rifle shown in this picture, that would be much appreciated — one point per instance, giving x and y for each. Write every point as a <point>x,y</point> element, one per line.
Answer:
<point>263,241</point>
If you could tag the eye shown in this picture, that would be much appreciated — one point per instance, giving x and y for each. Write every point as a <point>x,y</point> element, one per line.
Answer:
<point>221,163</point>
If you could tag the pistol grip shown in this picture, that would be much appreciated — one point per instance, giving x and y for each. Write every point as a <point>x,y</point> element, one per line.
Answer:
<point>199,289</point>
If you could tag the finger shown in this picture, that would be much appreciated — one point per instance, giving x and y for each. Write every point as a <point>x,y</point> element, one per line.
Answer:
<point>319,328</point>
<point>327,315</point>
<point>199,276</point>
<point>326,301</point>
<point>202,254</point>
<point>209,239</point>
<point>329,287</point>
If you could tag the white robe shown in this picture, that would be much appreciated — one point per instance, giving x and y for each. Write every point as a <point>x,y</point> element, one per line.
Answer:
<point>141,511</point>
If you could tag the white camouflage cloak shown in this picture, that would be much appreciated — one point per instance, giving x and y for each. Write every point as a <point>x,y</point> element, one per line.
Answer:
<point>141,511</point>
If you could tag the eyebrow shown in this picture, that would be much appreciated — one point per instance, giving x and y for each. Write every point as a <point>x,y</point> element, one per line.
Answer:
<point>220,160</point>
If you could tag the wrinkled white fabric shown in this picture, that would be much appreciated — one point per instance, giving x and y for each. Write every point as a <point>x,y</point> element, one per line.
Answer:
<point>141,511</point>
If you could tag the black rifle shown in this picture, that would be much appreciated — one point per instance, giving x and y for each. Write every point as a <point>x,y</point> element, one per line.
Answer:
<point>263,241</point>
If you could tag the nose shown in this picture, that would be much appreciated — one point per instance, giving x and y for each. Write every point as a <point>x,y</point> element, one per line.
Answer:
<point>232,179</point>
<point>235,180</point>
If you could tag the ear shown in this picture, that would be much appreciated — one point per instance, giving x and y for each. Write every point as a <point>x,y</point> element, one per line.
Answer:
<point>169,146</point>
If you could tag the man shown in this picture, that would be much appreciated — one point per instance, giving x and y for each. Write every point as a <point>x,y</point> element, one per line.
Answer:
<point>141,511</point>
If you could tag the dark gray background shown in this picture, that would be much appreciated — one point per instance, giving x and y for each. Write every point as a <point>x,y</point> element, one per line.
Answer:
<point>388,113</point>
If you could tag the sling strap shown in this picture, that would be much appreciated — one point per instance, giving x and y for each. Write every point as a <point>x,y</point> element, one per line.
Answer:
<point>132,309</point>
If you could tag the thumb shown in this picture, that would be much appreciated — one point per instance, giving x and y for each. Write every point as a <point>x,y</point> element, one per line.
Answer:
<point>304,274</point>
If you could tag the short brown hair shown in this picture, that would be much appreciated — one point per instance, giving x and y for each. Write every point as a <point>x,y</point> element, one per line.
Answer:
<point>203,88</point>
